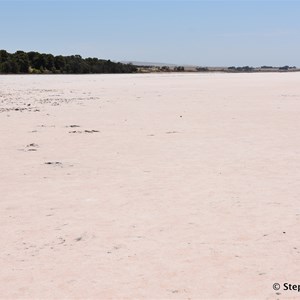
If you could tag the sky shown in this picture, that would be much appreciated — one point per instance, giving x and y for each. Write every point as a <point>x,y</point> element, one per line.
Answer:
<point>204,33</point>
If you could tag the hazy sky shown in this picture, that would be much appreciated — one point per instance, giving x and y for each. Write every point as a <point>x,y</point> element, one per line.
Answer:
<point>214,33</point>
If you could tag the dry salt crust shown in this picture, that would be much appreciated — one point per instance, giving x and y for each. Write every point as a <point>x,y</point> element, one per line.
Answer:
<point>157,186</point>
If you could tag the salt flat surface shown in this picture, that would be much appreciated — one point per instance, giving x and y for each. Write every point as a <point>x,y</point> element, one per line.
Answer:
<point>156,186</point>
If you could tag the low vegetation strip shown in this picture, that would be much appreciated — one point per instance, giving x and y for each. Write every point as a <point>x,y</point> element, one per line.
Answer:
<point>32,62</point>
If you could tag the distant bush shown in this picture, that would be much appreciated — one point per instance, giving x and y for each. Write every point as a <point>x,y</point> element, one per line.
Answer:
<point>202,69</point>
<point>165,69</point>
<point>285,68</point>
<point>245,69</point>
<point>179,69</point>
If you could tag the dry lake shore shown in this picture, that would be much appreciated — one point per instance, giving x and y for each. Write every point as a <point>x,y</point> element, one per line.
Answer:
<point>149,186</point>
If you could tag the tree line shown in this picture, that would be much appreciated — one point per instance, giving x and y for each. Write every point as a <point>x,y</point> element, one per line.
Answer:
<point>32,62</point>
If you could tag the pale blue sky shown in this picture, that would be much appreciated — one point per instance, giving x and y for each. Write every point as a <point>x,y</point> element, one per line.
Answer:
<point>214,33</point>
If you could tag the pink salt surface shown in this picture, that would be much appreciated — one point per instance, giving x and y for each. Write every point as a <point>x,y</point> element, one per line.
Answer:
<point>190,189</point>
